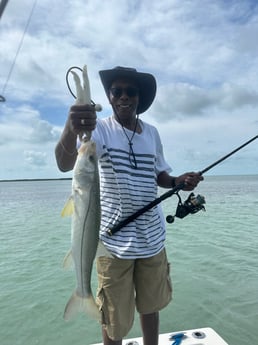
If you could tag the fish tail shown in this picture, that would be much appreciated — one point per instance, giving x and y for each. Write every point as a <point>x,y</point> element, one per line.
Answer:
<point>92,309</point>
<point>78,304</point>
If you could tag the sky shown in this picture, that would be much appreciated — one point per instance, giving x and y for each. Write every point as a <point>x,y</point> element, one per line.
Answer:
<point>202,53</point>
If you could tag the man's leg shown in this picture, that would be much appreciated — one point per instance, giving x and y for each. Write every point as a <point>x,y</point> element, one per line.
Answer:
<point>150,328</point>
<point>115,297</point>
<point>108,341</point>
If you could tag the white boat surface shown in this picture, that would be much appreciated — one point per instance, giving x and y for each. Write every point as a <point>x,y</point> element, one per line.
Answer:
<point>199,336</point>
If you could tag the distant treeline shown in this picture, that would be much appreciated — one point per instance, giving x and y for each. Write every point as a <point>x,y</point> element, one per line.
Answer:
<point>38,179</point>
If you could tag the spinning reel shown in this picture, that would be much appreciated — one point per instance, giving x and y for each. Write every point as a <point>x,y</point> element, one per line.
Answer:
<point>192,204</point>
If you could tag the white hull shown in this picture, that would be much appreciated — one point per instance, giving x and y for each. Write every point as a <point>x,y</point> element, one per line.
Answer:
<point>200,336</point>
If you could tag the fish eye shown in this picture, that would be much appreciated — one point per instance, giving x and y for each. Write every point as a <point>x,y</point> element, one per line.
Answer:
<point>91,158</point>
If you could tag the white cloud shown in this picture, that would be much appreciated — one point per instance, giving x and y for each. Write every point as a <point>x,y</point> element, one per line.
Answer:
<point>26,144</point>
<point>188,99</point>
<point>23,124</point>
<point>35,158</point>
<point>203,54</point>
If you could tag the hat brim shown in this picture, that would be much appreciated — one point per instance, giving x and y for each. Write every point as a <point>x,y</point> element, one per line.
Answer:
<point>145,81</point>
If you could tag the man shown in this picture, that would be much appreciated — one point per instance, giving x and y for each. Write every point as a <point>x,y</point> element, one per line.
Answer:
<point>132,166</point>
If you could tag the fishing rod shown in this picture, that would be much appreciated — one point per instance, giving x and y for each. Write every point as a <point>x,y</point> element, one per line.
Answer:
<point>191,205</point>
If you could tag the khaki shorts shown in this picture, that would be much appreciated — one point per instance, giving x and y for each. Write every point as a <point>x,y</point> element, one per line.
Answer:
<point>124,284</point>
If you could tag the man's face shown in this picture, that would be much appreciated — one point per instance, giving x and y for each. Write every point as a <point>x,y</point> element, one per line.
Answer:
<point>124,98</point>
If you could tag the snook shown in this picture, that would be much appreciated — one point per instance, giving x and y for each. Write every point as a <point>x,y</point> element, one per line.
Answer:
<point>84,205</point>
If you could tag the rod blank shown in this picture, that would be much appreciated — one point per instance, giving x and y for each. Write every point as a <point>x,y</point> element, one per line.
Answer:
<point>228,155</point>
<point>166,195</point>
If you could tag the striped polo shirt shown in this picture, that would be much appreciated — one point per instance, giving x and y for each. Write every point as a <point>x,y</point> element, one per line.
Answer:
<point>125,189</point>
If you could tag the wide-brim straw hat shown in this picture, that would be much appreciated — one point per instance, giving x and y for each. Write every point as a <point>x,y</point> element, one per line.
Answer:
<point>144,81</point>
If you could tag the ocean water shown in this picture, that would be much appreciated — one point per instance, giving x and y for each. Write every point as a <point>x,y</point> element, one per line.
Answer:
<point>214,258</point>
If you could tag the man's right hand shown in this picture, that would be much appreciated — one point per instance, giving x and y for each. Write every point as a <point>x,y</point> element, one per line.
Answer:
<point>82,118</point>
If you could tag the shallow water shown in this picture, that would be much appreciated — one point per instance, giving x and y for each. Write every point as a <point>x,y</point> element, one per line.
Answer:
<point>213,254</point>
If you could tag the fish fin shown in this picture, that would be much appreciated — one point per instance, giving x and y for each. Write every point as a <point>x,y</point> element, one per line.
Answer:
<point>103,251</point>
<point>80,99</point>
<point>68,260</point>
<point>68,209</point>
<point>91,308</point>
<point>73,306</point>
<point>79,304</point>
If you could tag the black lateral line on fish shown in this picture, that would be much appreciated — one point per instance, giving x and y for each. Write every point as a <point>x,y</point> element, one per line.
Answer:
<point>83,234</point>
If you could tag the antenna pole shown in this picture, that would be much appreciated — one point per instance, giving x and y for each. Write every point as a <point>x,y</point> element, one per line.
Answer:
<point>3,3</point>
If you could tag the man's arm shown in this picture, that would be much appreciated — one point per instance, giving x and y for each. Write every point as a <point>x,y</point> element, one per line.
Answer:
<point>81,119</point>
<point>65,151</point>
<point>190,179</point>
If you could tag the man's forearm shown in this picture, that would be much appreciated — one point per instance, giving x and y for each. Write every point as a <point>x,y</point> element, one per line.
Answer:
<point>66,151</point>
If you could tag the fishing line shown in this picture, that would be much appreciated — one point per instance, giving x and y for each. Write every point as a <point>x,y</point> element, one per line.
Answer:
<point>2,98</point>
<point>188,207</point>
<point>68,84</point>
<point>67,80</point>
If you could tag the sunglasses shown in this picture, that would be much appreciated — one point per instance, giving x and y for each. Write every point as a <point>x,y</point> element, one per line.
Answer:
<point>130,91</point>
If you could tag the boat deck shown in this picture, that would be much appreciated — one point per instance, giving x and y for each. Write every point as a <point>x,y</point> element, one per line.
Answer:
<point>200,336</point>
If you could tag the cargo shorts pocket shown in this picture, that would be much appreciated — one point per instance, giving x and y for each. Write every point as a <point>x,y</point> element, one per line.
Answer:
<point>169,281</point>
<point>100,300</point>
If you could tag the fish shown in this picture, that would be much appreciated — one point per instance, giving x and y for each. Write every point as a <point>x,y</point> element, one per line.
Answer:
<point>84,207</point>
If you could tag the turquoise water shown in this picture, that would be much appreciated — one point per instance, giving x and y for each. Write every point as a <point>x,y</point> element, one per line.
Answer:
<point>214,257</point>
